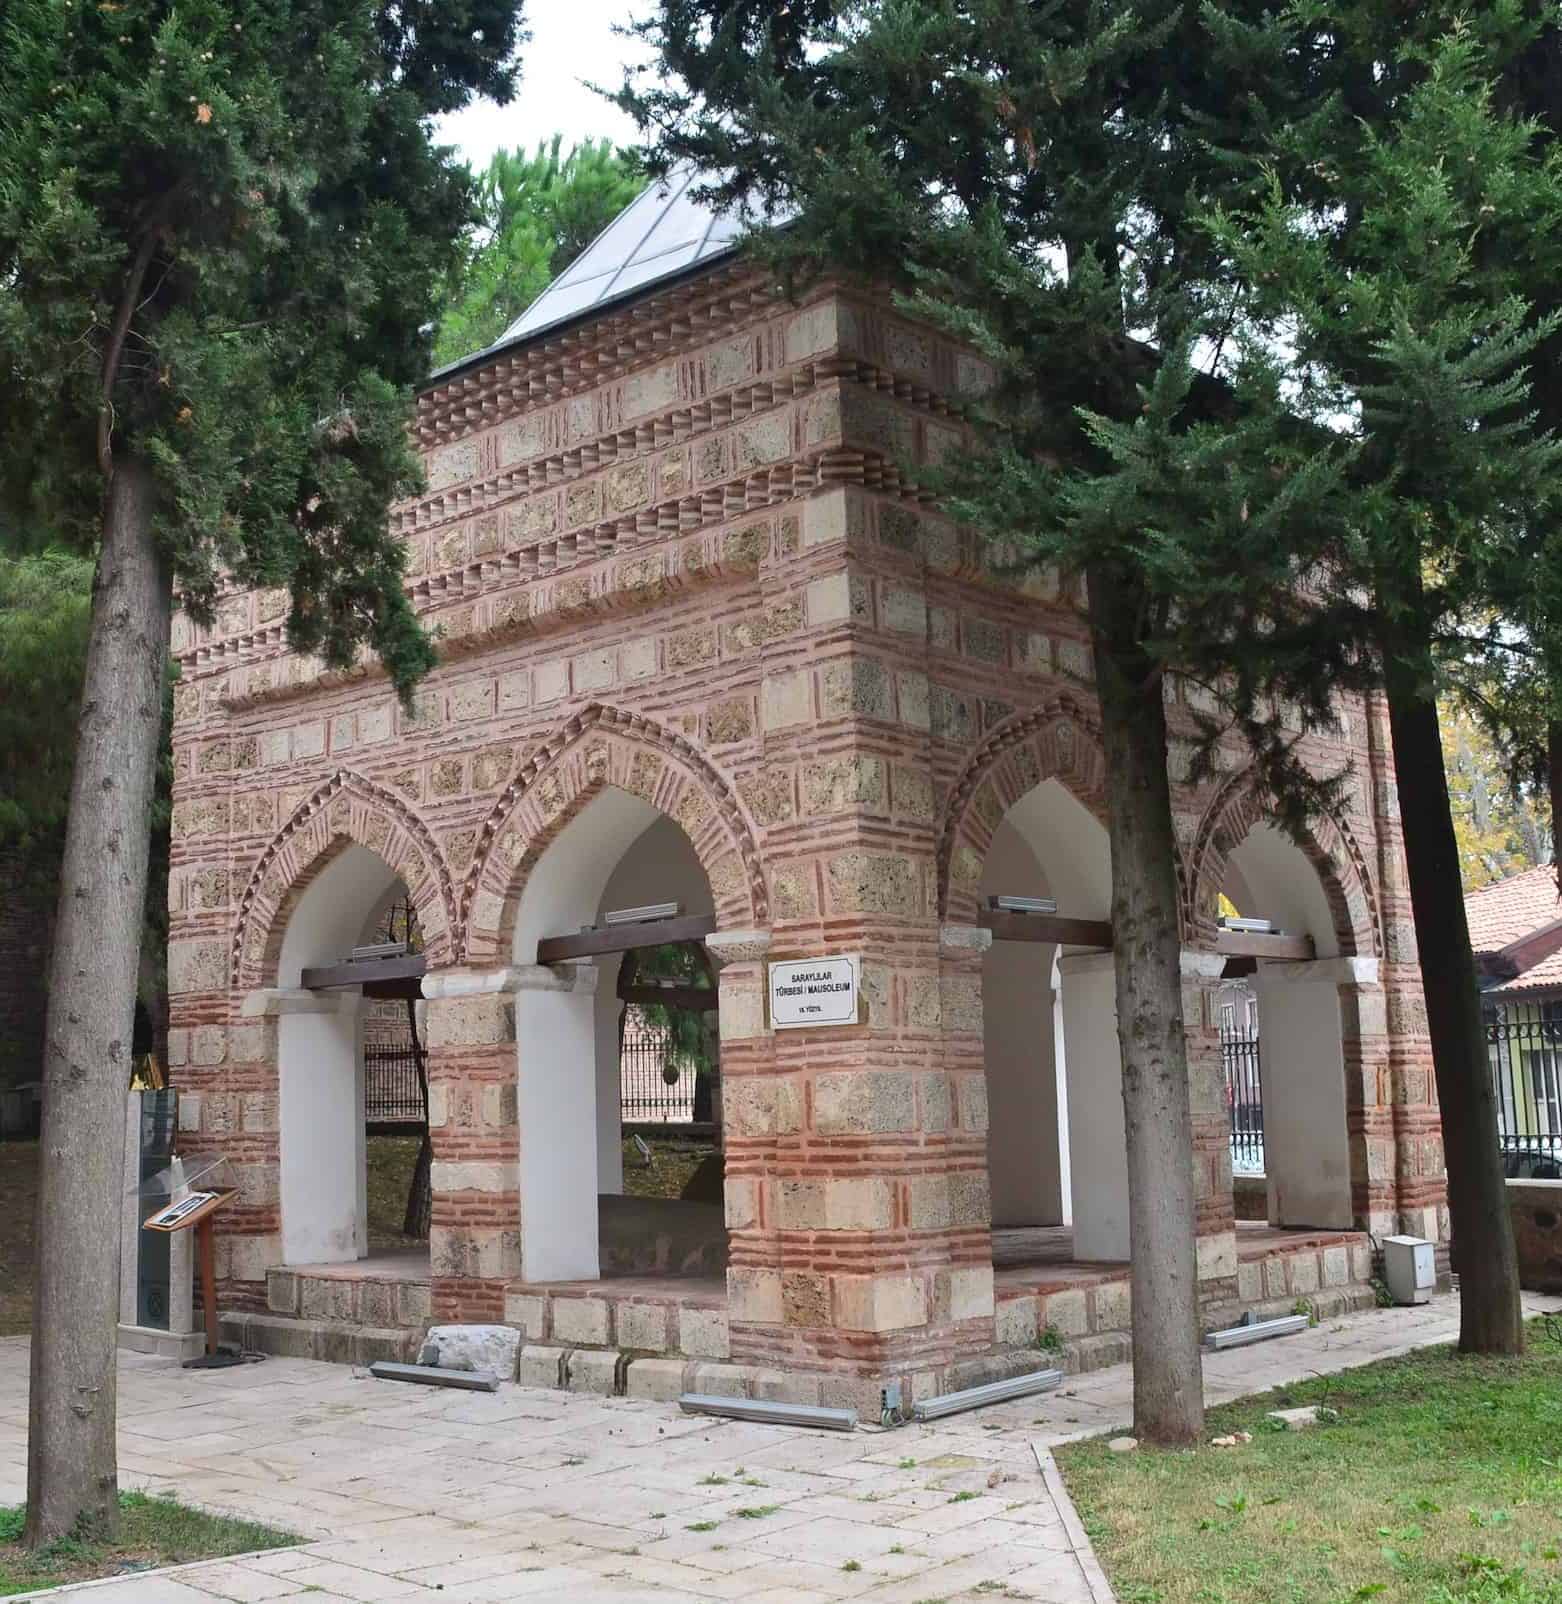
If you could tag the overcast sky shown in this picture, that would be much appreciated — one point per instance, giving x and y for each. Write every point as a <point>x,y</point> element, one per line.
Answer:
<point>570,40</point>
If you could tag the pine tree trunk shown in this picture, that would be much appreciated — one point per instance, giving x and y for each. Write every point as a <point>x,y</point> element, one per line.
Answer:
<point>72,1480</point>
<point>1147,948</point>
<point>1490,1320</point>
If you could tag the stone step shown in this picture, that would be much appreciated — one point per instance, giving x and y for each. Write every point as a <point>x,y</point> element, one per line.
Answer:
<point>320,1339</point>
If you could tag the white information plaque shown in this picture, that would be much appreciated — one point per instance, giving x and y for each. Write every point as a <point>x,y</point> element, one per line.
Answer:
<point>813,991</point>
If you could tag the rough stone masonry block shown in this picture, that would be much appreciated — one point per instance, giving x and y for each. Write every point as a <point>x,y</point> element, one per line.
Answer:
<point>1015,1324</point>
<point>858,1101</point>
<point>540,1366</point>
<point>880,1302</point>
<point>642,1326</point>
<point>593,1372</point>
<point>754,1296</point>
<point>1065,1313</point>
<point>471,1021</point>
<point>472,1347</point>
<point>658,1380</point>
<point>971,1292</point>
<point>582,1320</point>
<point>702,1333</point>
<point>526,1313</point>
<point>1336,1266</point>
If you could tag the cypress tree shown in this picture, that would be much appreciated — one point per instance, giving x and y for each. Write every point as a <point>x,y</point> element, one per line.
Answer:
<point>223,227</point>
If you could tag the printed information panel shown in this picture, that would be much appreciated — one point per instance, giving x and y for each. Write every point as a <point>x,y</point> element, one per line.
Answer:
<point>813,991</point>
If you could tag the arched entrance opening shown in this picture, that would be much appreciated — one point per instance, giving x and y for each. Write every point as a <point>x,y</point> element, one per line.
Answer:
<point>320,1063</point>
<point>1056,1151</point>
<point>582,1217</point>
<point>1287,1032</point>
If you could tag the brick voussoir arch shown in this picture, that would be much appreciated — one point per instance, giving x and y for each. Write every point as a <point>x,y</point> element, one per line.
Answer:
<point>346,809</point>
<point>597,747</point>
<point>1328,844</point>
<point>1059,740</point>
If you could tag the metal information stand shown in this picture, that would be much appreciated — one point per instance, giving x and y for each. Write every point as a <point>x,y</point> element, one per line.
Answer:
<point>185,1196</point>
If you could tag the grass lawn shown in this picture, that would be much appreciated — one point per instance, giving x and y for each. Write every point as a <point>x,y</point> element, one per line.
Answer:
<point>673,1160</point>
<point>1439,1483</point>
<point>18,1206</point>
<point>153,1532</point>
<point>389,1160</point>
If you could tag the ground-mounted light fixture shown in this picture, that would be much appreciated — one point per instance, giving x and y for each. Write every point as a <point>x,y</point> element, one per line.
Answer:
<point>1022,904</point>
<point>991,1392</point>
<point>763,1412</point>
<point>1239,1336</point>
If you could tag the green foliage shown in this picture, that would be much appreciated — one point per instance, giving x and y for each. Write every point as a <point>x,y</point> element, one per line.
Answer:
<point>691,1038</point>
<point>222,231</point>
<point>45,602</point>
<point>1502,818</point>
<point>537,214</point>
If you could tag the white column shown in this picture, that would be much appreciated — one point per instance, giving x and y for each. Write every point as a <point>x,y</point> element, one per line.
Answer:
<point>320,1116</point>
<point>556,1107</point>
<point>1302,1065</point>
<point>1060,1081</point>
<point>1098,1158</point>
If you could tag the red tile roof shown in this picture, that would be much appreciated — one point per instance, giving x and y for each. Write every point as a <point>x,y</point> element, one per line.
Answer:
<point>1510,909</point>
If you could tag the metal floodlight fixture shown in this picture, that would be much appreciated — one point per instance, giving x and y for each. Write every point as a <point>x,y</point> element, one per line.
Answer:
<point>763,1412</point>
<point>954,1403</point>
<point>383,949</point>
<point>1287,1325</point>
<point>1022,904</point>
<point>1250,927</point>
<point>637,916</point>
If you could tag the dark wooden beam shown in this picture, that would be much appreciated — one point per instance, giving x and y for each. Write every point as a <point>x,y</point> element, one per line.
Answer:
<point>372,972</point>
<point>1254,944</point>
<point>625,938</point>
<point>1050,927</point>
<point>700,999</point>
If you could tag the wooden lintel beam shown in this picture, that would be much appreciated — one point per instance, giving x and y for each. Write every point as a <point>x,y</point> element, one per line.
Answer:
<point>1050,927</point>
<point>700,999</point>
<point>372,971</point>
<point>625,938</point>
<point>1255,944</point>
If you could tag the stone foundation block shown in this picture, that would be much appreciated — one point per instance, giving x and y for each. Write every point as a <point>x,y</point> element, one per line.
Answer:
<point>282,1292</point>
<point>702,1333</point>
<point>414,1304</point>
<point>1114,1307</point>
<point>880,1302</point>
<point>642,1325</point>
<point>527,1314</point>
<point>1250,1282</point>
<point>593,1370</point>
<point>658,1380</point>
<point>1336,1266</point>
<point>540,1365</point>
<point>581,1320</point>
<point>720,1381</point>
<point>1304,1273</point>
<point>1015,1323</point>
<point>1066,1313</point>
<point>785,1386</point>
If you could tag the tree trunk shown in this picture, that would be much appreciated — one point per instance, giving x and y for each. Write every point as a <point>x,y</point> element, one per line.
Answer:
<point>1147,948</point>
<point>1490,1320</point>
<point>72,1483</point>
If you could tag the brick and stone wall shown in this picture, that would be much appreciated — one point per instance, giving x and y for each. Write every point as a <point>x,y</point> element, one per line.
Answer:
<point>677,552</point>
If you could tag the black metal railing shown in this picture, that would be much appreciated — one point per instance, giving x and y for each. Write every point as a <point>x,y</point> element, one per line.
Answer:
<point>1524,1045</point>
<point>653,1086</point>
<point>1239,1058</point>
<point>391,1095</point>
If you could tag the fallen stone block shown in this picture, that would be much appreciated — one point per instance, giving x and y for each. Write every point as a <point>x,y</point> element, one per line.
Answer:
<point>472,1347</point>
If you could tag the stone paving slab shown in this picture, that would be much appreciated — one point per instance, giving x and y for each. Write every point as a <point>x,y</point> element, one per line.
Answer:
<point>403,1494</point>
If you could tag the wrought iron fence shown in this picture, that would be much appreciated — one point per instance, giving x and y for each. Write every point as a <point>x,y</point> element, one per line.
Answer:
<point>645,1090</point>
<point>391,1095</point>
<point>1524,1044</point>
<point>1244,1100</point>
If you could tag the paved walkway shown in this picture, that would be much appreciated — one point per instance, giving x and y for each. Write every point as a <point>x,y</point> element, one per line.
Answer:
<point>403,1492</point>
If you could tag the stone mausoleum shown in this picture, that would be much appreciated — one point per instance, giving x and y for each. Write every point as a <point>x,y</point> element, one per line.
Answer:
<point>703,641</point>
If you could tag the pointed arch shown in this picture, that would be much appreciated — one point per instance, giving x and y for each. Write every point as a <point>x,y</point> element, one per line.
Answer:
<point>347,808</point>
<point>1328,844</point>
<point>596,748</point>
<point>1057,741</point>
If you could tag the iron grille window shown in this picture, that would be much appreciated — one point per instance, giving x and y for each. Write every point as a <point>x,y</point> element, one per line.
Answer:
<point>1239,1058</point>
<point>652,1085</point>
<point>391,1095</point>
<point>1524,1046</point>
